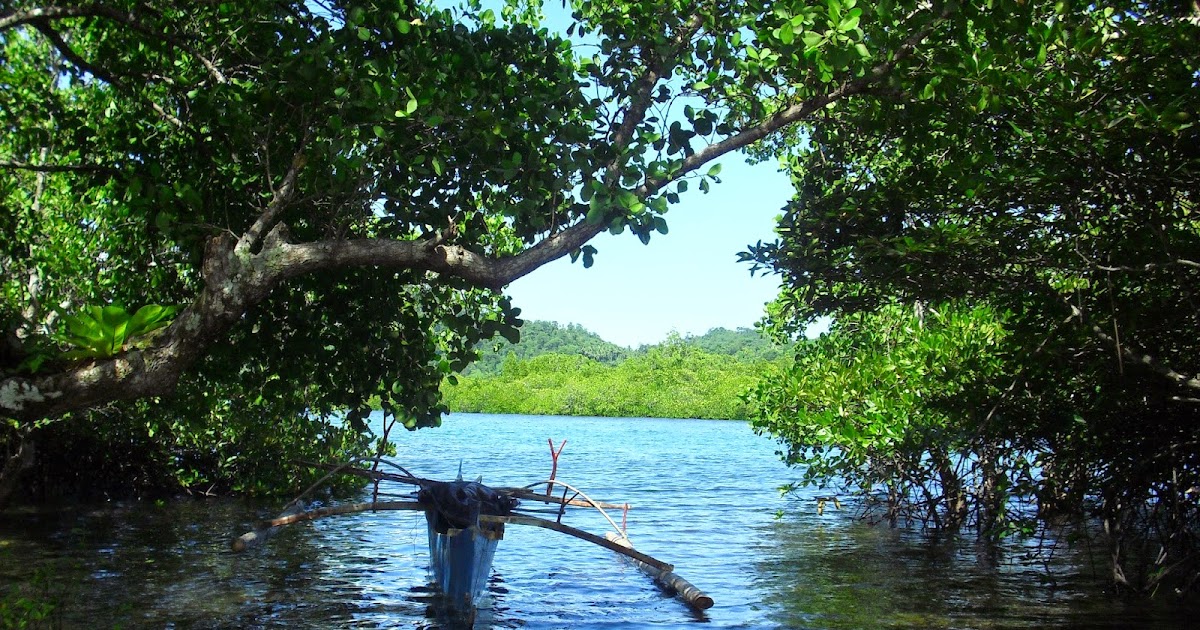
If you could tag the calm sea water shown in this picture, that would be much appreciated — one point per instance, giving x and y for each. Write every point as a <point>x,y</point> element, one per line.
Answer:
<point>704,498</point>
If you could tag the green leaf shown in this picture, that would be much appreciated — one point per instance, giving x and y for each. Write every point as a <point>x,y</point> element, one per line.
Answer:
<point>596,210</point>
<point>146,316</point>
<point>627,199</point>
<point>714,170</point>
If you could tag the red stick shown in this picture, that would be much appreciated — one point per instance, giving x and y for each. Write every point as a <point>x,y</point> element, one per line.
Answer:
<point>554,462</point>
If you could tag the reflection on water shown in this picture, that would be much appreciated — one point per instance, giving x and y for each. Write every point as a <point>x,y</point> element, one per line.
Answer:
<point>843,573</point>
<point>704,499</point>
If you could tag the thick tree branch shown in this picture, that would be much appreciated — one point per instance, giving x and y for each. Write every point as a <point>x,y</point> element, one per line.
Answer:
<point>292,260</point>
<point>236,280</point>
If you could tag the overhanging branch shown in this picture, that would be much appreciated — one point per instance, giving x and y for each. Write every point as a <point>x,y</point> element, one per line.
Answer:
<point>802,110</point>
<point>42,15</point>
<point>237,277</point>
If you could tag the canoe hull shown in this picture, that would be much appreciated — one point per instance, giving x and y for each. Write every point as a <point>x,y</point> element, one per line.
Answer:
<point>461,560</point>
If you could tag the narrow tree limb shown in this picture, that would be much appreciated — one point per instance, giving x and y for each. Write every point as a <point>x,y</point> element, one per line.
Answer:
<point>100,73</point>
<point>279,201</point>
<point>806,108</point>
<point>75,58</point>
<point>13,18</point>
<point>59,168</point>
<point>1136,355</point>
<point>1180,262</point>
<point>643,88</point>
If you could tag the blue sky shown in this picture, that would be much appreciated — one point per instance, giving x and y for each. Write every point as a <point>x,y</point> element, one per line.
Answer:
<point>687,281</point>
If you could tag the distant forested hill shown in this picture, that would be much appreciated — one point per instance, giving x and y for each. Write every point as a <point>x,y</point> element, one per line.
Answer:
<point>744,343</point>
<point>569,370</point>
<point>538,338</point>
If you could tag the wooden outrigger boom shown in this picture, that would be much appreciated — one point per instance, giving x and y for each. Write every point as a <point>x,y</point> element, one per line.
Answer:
<point>463,537</point>
<point>666,578</point>
<point>582,535</point>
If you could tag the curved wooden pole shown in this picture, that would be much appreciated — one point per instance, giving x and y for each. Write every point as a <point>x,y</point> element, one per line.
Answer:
<point>580,534</point>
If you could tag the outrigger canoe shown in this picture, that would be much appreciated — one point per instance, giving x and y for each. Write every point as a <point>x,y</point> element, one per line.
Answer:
<point>466,523</point>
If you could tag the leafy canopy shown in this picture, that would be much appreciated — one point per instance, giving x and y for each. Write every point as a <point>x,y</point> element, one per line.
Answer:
<point>331,194</point>
<point>1045,167</point>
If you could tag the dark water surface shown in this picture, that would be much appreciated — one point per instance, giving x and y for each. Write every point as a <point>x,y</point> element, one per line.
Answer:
<point>704,497</point>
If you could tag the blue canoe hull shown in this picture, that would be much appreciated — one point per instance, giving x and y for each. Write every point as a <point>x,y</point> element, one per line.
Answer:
<point>461,560</point>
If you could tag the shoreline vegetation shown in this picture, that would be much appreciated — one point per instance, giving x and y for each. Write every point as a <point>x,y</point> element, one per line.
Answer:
<point>569,371</point>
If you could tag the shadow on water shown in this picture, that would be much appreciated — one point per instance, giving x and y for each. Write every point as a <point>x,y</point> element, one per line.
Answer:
<point>838,572</point>
<point>169,565</point>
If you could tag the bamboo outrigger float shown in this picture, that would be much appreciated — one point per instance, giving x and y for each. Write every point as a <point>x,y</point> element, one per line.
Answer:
<point>466,522</point>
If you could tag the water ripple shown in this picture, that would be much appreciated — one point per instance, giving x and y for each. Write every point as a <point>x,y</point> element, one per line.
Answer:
<point>704,499</point>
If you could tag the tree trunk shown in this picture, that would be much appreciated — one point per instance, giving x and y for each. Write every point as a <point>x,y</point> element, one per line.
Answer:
<point>954,498</point>
<point>15,466</point>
